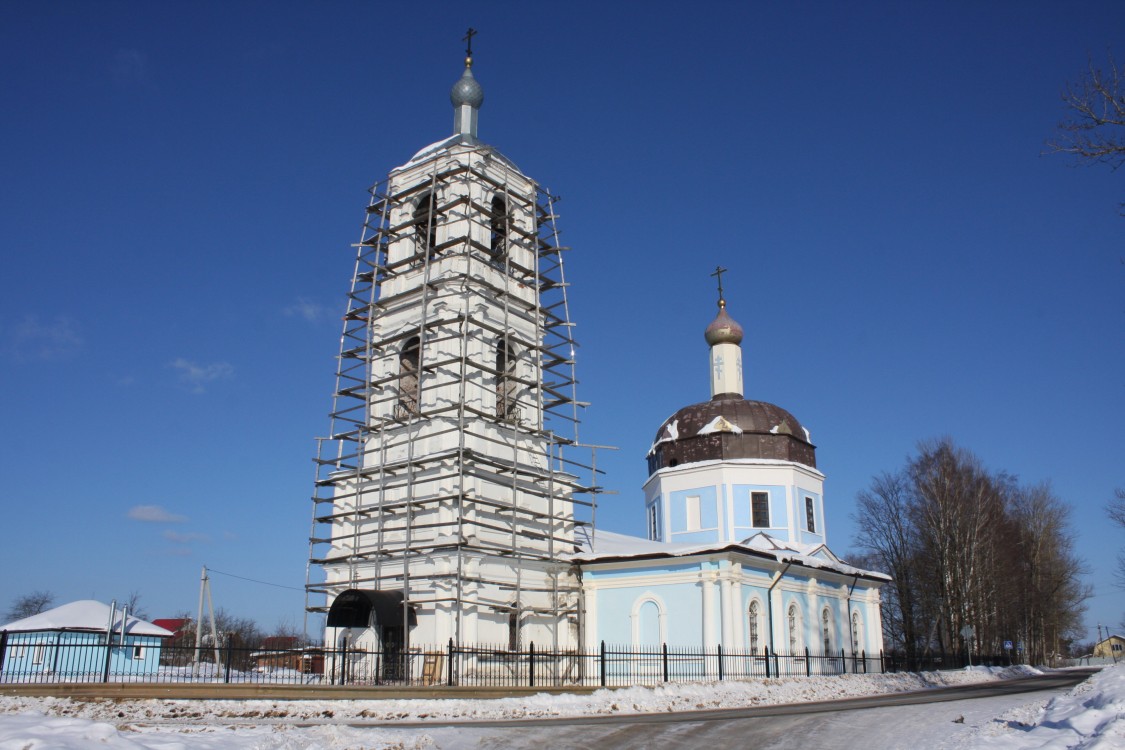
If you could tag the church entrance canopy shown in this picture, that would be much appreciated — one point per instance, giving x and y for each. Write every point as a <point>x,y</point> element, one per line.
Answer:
<point>353,608</point>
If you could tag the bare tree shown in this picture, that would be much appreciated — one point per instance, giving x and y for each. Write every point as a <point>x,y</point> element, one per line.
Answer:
<point>885,532</point>
<point>1095,129</point>
<point>29,604</point>
<point>136,608</point>
<point>1116,510</point>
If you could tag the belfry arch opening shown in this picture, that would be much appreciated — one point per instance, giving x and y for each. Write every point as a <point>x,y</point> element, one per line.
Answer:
<point>425,223</point>
<point>506,403</point>
<point>498,225</point>
<point>408,378</point>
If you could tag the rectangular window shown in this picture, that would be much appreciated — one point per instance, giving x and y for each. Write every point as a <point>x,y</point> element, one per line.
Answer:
<point>654,522</point>
<point>138,652</point>
<point>1117,647</point>
<point>693,518</point>
<point>760,509</point>
<point>37,658</point>
<point>810,518</point>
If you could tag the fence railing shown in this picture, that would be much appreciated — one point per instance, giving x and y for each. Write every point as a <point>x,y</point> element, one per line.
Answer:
<point>28,660</point>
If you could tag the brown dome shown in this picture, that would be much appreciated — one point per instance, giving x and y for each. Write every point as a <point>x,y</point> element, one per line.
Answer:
<point>729,428</point>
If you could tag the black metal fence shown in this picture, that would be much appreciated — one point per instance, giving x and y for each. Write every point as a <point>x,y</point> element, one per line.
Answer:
<point>46,659</point>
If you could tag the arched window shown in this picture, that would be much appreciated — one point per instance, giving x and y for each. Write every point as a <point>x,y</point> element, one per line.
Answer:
<point>408,379</point>
<point>826,630</point>
<point>505,381</point>
<point>425,223</point>
<point>754,616</point>
<point>498,228</point>
<point>794,627</point>
<point>855,632</point>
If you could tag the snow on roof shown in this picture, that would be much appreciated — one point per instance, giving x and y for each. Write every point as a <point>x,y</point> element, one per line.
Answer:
<point>457,139</point>
<point>85,614</point>
<point>607,545</point>
<point>719,424</point>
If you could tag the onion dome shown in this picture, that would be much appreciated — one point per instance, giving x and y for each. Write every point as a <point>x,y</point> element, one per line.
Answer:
<point>467,91</point>
<point>723,329</point>
<point>731,428</point>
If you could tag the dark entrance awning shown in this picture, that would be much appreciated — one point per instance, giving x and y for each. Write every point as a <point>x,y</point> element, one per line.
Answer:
<point>353,608</point>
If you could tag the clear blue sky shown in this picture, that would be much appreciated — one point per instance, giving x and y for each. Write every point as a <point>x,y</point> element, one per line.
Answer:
<point>181,183</point>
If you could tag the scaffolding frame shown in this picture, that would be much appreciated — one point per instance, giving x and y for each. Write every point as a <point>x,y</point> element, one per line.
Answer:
<point>375,479</point>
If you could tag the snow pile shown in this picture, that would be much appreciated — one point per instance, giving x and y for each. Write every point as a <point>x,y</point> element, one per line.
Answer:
<point>1089,717</point>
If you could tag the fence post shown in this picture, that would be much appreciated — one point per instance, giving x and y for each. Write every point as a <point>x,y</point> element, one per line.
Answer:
<point>766,651</point>
<point>450,681</point>
<point>883,661</point>
<point>531,664</point>
<point>602,667</point>
<point>344,663</point>
<point>864,655</point>
<point>664,651</point>
<point>108,654</point>
<point>720,662</point>
<point>844,662</point>
<point>230,654</point>
<point>3,649</point>
<point>808,663</point>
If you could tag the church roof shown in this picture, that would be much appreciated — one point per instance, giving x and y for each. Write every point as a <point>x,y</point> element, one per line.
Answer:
<point>730,427</point>
<point>607,546</point>
<point>452,141</point>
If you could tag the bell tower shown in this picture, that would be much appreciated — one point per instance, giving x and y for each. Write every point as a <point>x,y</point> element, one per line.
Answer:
<point>446,496</point>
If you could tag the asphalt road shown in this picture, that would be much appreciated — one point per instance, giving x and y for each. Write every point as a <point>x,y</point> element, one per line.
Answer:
<point>942,718</point>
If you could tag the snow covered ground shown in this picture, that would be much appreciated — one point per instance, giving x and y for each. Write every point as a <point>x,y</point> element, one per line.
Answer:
<point>1086,717</point>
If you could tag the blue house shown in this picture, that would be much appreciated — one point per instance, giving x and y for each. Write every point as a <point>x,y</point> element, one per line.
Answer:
<point>81,641</point>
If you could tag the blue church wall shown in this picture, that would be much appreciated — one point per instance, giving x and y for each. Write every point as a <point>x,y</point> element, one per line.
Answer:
<point>708,529</point>
<point>615,613</point>
<point>807,537</point>
<point>743,518</point>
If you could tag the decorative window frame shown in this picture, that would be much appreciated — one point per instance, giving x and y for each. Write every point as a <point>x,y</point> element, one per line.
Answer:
<point>661,617</point>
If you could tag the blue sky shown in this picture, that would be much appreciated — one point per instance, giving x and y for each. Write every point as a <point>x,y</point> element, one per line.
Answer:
<point>181,184</point>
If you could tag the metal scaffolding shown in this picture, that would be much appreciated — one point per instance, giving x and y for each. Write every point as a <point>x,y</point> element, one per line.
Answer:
<point>454,430</point>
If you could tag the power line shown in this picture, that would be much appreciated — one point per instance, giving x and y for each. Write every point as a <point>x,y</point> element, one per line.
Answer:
<point>254,580</point>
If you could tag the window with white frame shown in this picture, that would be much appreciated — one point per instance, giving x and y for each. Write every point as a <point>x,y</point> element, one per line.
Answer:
<point>760,509</point>
<point>855,632</point>
<point>654,520</point>
<point>826,630</point>
<point>754,616</point>
<point>138,652</point>
<point>794,627</point>
<point>810,515</point>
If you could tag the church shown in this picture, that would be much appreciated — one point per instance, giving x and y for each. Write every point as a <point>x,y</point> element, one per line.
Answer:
<point>453,497</point>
